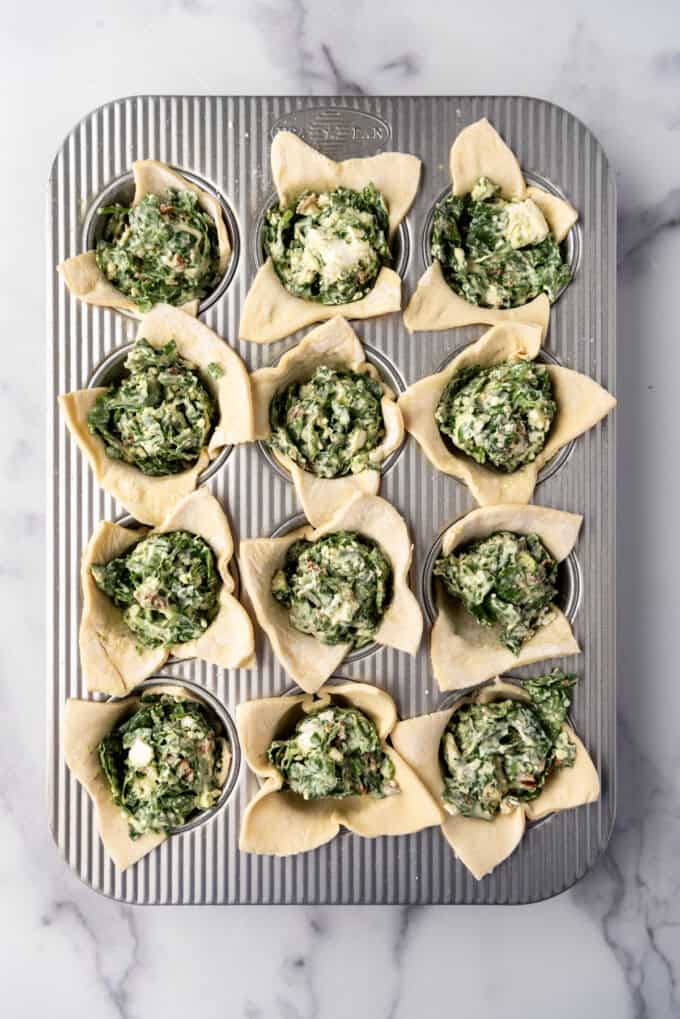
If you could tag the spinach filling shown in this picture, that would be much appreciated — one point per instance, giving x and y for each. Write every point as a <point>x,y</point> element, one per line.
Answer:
<point>496,253</point>
<point>334,752</point>
<point>164,764</point>
<point>336,588</point>
<point>330,424</point>
<point>507,581</point>
<point>329,247</point>
<point>164,250</point>
<point>159,416</point>
<point>496,756</point>
<point>167,586</point>
<point>501,415</point>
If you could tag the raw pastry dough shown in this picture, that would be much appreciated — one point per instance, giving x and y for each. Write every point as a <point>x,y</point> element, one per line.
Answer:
<point>280,822</point>
<point>85,725</point>
<point>270,312</point>
<point>84,278</point>
<point>306,659</point>
<point>464,652</point>
<point>148,498</point>
<point>334,344</point>
<point>479,151</point>
<point>482,845</point>
<point>581,403</point>
<point>109,656</point>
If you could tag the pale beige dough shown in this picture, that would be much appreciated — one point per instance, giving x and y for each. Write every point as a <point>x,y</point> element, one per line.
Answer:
<point>279,822</point>
<point>85,725</point>
<point>479,151</point>
<point>581,403</point>
<point>463,652</point>
<point>482,845</point>
<point>336,345</point>
<point>270,312</point>
<point>147,498</point>
<point>109,656</point>
<point>305,658</point>
<point>84,278</point>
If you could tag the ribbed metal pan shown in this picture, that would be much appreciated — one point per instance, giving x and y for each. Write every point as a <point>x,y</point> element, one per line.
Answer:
<point>225,142</point>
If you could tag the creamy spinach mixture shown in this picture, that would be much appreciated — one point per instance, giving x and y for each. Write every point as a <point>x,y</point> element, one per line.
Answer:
<point>330,424</point>
<point>496,253</point>
<point>159,416</point>
<point>496,756</point>
<point>329,247</point>
<point>164,764</point>
<point>500,415</point>
<point>334,752</point>
<point>167,586</point>
<point>507,581</point>
<point>164,250</point>
<point>336,588</point>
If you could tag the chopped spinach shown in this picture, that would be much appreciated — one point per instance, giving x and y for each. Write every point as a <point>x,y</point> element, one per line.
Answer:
<point>551,697</point>
<point>163,764</point>
<point>500,414</point>
<point>334,752</point>
<point>163,250</point>
<point>329,424</point>
<point>335,588</point>
<point>167,586</point>
<point>496,756</point>
<point>329,247</point>
<point>507,581</point>
<point>159,416</point>
<point>496,253</point>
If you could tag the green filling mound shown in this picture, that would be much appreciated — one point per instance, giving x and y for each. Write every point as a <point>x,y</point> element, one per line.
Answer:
<point>163,764</point>
<point>159,417</point>
<point>496,253</point>
<point>329,247</point>
<point>167,586</point>
<point>500,415</point>
<point>330,424</point>
<point>164,250</point>
<point>334,752</point>
<point>496,756</point>
<point>507,581</point>
<point>336,588</point>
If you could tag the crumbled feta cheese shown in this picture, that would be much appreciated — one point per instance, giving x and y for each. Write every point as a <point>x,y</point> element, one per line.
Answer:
<point>140,754</point>
<point>483,189</point>
<point>492,297</point>
<point>526,223</point>
<point>338,255</point>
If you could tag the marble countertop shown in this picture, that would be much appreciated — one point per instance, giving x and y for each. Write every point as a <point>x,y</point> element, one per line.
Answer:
<point>610,947</point>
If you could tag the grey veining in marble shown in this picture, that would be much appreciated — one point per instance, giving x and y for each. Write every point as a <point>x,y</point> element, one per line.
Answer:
<point>611,946</point>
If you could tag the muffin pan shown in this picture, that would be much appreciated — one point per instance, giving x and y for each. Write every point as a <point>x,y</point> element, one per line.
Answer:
<point>223,144</point>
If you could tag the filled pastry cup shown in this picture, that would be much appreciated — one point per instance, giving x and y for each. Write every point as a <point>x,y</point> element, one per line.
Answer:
<point>88,283</point>
<point>270,311</point>
<point>309,661</point>
<point>111,658</point>
<point>87,722</point>
<point>479,844</point>
<point>149,498</point>
<point>581,403</point>
<point>333,344</point>
<point>479,151</point>
<point>279,822</point>
<point>463,651</point>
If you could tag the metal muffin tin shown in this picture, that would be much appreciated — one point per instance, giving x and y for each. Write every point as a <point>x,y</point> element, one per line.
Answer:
<point>223,143</point>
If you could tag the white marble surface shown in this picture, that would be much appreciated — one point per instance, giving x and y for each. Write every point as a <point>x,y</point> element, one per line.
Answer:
<point>611,946</point>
